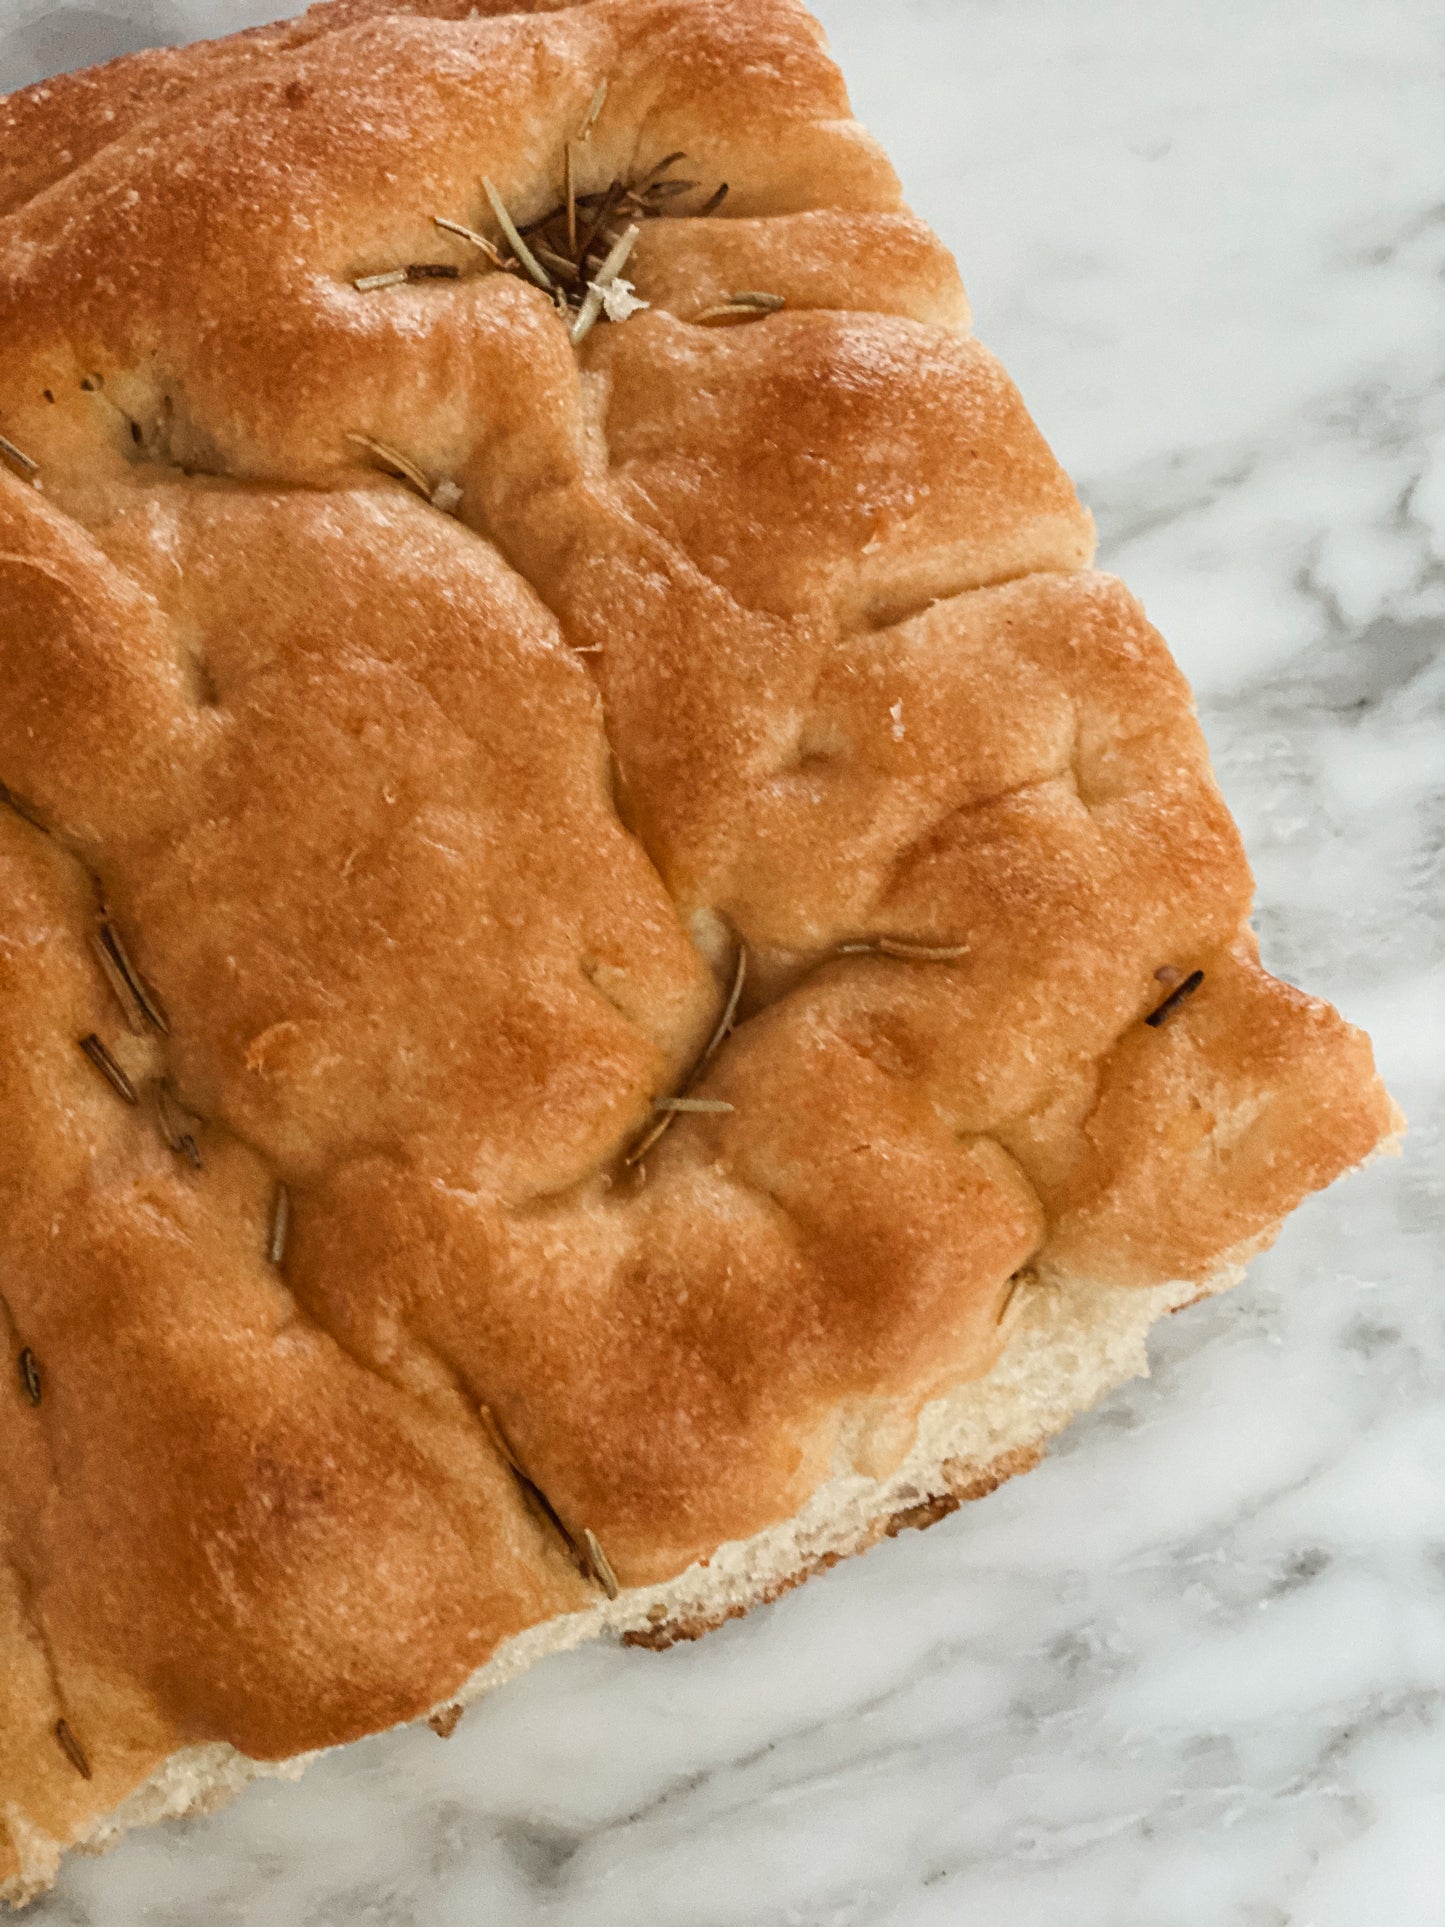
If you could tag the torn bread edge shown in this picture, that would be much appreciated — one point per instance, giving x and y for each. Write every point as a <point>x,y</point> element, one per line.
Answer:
<point>1073,1344</point>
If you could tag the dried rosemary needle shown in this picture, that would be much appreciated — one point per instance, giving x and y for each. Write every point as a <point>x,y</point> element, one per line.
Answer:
<point>30,1379</point>
<point>98,1054</point>
<point>176,1126</point>
<point>591,309</point>
<point>414,271</point>
<point>393,459</point>
<point>907,952</point>
<point>132,992</point>
<point>514,239</point>
<point>1176,997</point>
<point>601,1565</point>
<point>644,1144</point>
<point>730,1009</point>
<point>17,457</point>
<point>470,235</point>
<point>280,1227</point>
<point>669,1108</point>
<point>594,112</point>
<point>72,1749</point>
<point>750,305</point>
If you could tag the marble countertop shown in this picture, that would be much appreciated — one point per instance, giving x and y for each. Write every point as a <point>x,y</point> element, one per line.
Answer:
<point>1191,1673</point>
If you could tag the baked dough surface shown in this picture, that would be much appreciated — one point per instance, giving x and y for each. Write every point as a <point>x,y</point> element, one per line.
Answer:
<point>437,838</point>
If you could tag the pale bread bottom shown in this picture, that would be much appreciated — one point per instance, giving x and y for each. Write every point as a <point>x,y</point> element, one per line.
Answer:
<point>1073,1343</point>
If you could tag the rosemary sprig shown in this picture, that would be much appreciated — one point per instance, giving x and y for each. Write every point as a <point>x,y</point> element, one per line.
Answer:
<point>72,1749</point>
<point>601,1565</point>
<point>655,1131</point>
<point>113,975</point>
<point>1176,997</point>
<point>751,304</point>
<point>176,1126</point>
<point>470,235</point>
<point>558,257</point>
<point>557,264</point>
<point>132,991</point>
<point>908,952</point>
<point>393,459</point>
<point>569,251</point>
<point>514,239</point>
<point>445,495</point>
<point>569,175</point>
<point>594,112</point>
<point>670,1108</point>
<point>591,308</point>
<point>730,1009</point>
<point>415,271</point>
<point>96,1051</point>
<point>280,1227</point>
<point>654,175</point>
<point>27,464</point>
<point>30,1379</point>
<point>586,1554</point>
<point>602,208</point>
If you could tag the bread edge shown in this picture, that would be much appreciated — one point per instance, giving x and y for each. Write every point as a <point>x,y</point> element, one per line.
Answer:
<point>1074,1342</point>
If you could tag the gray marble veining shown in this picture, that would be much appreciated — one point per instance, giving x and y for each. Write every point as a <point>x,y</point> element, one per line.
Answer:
<point>1192,1672</point>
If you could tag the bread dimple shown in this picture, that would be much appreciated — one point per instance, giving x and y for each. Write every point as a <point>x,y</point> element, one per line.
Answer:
<point>397,864</point>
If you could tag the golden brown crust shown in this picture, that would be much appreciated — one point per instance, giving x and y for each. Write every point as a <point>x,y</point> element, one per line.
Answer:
<point>915,1517</point>
<point>54,127</point>
<point>435,838</point>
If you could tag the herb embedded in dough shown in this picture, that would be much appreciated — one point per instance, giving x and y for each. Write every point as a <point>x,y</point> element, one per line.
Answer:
<point>280,1226</point>
<point>30,1376</point>
<point>100,1056</point>
<point>1175,998</point>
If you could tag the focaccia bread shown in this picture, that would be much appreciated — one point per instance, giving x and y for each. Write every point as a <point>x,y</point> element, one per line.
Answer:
<point>618,970</point>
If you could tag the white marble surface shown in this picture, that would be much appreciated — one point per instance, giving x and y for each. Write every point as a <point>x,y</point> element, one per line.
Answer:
<point>1192,1672</point>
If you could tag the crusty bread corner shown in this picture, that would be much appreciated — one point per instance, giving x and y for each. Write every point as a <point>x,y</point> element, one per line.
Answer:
<point>1072,1345</point>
